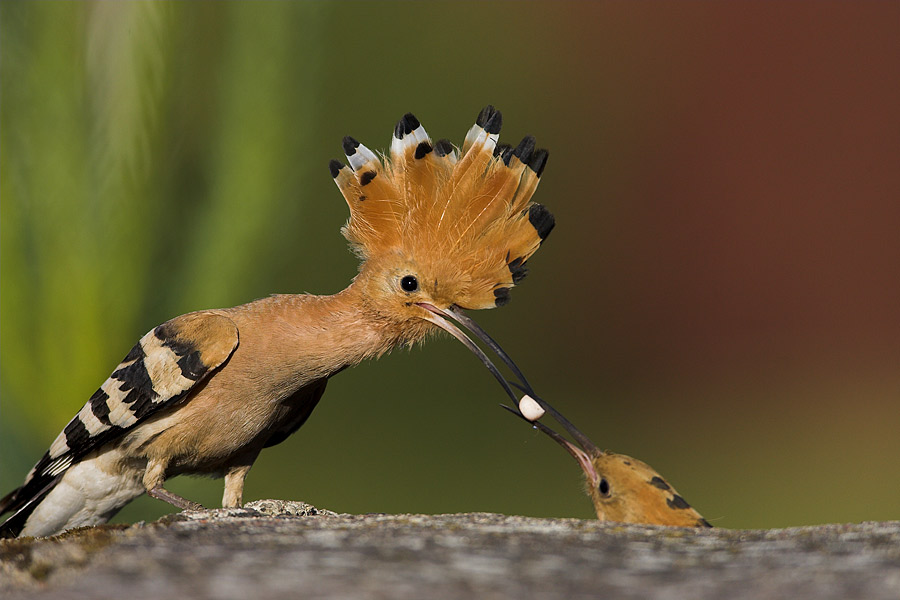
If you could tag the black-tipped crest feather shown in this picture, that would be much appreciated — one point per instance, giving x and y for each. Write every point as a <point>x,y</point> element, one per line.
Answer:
<point>524,149</point>
<point>349,145</point>
<point>542,220</point>
<point>443,148</point>
<point>406,125</point>
<point>472,209</point>
<point>538,161</point>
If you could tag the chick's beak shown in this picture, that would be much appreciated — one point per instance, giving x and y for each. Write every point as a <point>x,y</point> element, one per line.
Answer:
<point>584,461</point>
<point>583,455</point>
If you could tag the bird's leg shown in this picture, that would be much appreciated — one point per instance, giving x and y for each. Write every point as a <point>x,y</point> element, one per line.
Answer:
<point>161,493</point>
<point>155,477</point>
<point>234,486</point>
<point>234,480</point>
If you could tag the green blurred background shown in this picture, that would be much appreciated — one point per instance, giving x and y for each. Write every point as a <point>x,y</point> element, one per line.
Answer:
<point>720,298</point>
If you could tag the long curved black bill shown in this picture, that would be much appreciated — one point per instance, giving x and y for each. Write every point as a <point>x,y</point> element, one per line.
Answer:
<point>439,318</point>
<point>467,322</point>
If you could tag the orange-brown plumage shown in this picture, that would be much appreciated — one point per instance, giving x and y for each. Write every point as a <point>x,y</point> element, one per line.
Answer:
<point>437,231</point>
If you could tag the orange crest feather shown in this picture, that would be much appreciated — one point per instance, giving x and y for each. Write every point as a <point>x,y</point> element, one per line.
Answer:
<point>471,209</point>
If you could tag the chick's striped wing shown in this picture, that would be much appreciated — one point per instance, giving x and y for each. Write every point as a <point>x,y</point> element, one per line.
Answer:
<point>161,369</point>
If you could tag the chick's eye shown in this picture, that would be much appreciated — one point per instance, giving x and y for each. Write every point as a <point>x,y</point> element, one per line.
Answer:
<point>409,283</point>
<point>603,487</point>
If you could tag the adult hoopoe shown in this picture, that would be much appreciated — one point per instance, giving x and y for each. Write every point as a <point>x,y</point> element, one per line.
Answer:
<point>622,488</point>
<point>438,230</point>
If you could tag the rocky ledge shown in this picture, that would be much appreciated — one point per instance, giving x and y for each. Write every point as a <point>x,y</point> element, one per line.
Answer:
<point>277,549</point>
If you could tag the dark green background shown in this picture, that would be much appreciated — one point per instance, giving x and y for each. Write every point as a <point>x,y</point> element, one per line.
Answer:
<point>721,296</point>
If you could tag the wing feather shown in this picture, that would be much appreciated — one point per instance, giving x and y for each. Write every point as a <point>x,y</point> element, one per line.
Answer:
<point>161,369</point>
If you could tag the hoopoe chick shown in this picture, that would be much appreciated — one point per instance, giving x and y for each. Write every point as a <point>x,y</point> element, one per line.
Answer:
<point>438,230</point>
<point>622,488</point>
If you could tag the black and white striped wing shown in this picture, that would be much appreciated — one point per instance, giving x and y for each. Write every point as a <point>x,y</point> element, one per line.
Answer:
<point>161,369</point>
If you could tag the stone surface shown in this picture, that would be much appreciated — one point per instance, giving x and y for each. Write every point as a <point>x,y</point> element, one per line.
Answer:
<point>276,549</point>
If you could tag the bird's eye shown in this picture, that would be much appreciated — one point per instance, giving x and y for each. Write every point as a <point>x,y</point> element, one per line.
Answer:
<point>409,283</point>
<point>603,487</point>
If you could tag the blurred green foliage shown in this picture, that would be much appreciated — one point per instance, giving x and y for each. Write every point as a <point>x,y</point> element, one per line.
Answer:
<point>140,147</point>
<point>161,157</point>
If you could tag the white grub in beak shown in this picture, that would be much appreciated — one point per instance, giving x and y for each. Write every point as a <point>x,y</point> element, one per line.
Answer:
<point>530,409</point>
